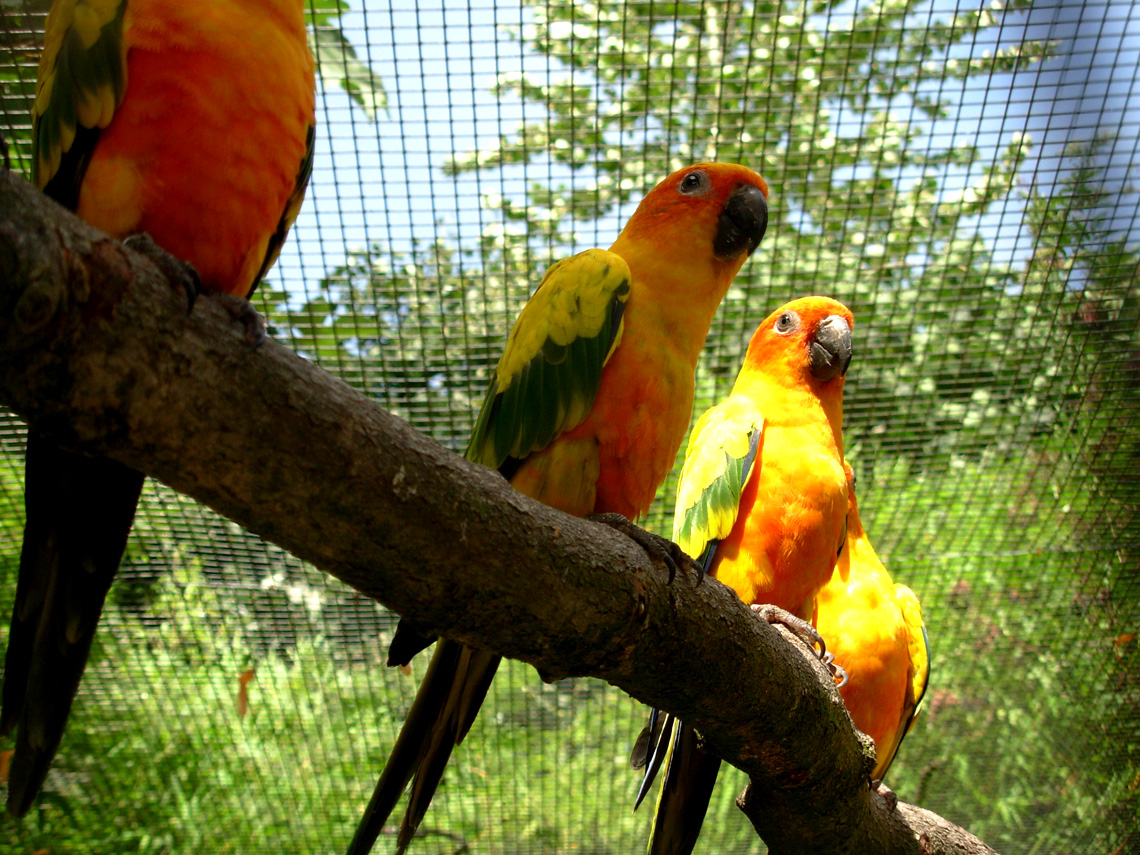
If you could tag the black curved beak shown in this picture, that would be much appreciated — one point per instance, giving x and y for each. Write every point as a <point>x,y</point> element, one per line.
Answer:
<point>831,348</point>
<point>742,222</point>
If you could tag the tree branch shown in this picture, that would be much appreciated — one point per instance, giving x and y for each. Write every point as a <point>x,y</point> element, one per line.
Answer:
<point>100,353</point>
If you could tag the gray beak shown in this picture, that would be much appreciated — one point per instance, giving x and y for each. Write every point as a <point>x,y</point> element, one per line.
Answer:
<point>831,348</point>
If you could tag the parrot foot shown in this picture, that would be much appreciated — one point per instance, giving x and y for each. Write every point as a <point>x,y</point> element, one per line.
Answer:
<point>887,793</point>
<point>838,672</point>
<point>664,553</point>
<point>799,627</point>
<point>242,311</point>
<point>180,273</point>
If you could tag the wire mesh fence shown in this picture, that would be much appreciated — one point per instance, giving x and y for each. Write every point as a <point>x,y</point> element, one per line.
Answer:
<point>957,174</point>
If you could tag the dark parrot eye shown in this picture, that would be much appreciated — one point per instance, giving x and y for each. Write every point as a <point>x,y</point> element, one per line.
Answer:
<point>693,183</point>
<point>787,323</point>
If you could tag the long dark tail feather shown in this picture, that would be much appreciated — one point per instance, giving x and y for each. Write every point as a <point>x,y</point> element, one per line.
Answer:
<point>79,513</point>
<point>656,735</point>
<point>445,707</point>
<point>690,775</point>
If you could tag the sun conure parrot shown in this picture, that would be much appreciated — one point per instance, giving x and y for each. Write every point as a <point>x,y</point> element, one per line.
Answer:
<point>585,412</point>
<point>191,121</point>
<point>761,504</point>
<point>874,629</point>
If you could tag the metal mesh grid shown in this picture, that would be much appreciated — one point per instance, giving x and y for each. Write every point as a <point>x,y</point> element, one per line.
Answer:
<point>957,174</point>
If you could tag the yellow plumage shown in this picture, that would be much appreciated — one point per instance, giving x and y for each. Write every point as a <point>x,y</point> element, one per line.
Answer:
<point>874,629</point>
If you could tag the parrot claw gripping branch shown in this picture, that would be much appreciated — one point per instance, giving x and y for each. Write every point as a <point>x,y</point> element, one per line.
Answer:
<point>664,552</point>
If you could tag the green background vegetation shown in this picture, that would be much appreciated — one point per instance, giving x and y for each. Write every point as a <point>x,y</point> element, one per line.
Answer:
<point>992,415</point>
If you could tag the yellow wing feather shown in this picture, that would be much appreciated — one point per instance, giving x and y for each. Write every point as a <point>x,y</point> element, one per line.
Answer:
<point>718,462</point>
<point>548,376</point>
<point>82,78</point>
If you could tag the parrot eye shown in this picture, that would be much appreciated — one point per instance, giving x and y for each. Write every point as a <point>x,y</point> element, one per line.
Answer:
<point>787,323</point>
<point>694,183</point>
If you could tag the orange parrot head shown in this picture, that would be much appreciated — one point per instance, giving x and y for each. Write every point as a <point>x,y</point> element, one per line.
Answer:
<point>698,226</point>
<point>807,344</point>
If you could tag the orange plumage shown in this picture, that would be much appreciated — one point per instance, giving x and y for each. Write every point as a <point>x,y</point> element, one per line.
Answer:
<point>788,524</point>
<point>628,443</point>
<point>204,150</point>
<point>874,629</point>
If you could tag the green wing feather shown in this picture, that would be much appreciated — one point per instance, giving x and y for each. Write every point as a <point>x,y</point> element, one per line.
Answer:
<point>549,373</point>
<point>718,462</point>
<point>82,80</point>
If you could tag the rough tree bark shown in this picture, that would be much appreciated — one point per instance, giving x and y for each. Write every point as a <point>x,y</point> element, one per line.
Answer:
<point>97,350</point>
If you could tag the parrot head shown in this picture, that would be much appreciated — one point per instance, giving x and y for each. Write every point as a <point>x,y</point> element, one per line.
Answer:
<point>806,341</point>
<point>699,225</point>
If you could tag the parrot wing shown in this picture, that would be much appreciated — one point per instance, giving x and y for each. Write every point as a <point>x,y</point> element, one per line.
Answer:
<point>292,208</point>
<point>549,373</point>
<point>82,80</point>
<point>719,461</point>
<point>547,378</point>
<point>918,646</point>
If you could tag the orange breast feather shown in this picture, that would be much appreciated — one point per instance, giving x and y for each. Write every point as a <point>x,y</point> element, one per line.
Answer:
<point>200,154</point>
<point>784,557</point>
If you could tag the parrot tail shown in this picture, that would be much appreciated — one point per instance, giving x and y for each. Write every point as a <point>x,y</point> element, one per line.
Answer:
<point>690,775</point>
<point>647,753</point>
<point>79,513</point>
<point>408,640</point>
<point>445,707</point>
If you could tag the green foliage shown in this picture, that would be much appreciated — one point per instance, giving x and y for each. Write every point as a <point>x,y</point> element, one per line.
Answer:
<point>20,26</point>
<point>1027,721</point>
<point>337,62</point>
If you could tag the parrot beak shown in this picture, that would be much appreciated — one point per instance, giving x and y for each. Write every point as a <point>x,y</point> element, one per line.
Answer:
<point>831,348</point>
<point>741,224</point>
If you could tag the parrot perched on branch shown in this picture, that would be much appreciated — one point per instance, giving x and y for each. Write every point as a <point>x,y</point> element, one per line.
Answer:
<point>191,121</point>
<point>585,412</point>
<point>762,501</point>
<point>874,629</point>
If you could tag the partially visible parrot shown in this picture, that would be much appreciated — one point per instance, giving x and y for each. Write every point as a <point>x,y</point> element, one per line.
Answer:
<point>874,629</point>
<point>585,412</point>
<point>191,121</point>
<point>763,502</point>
